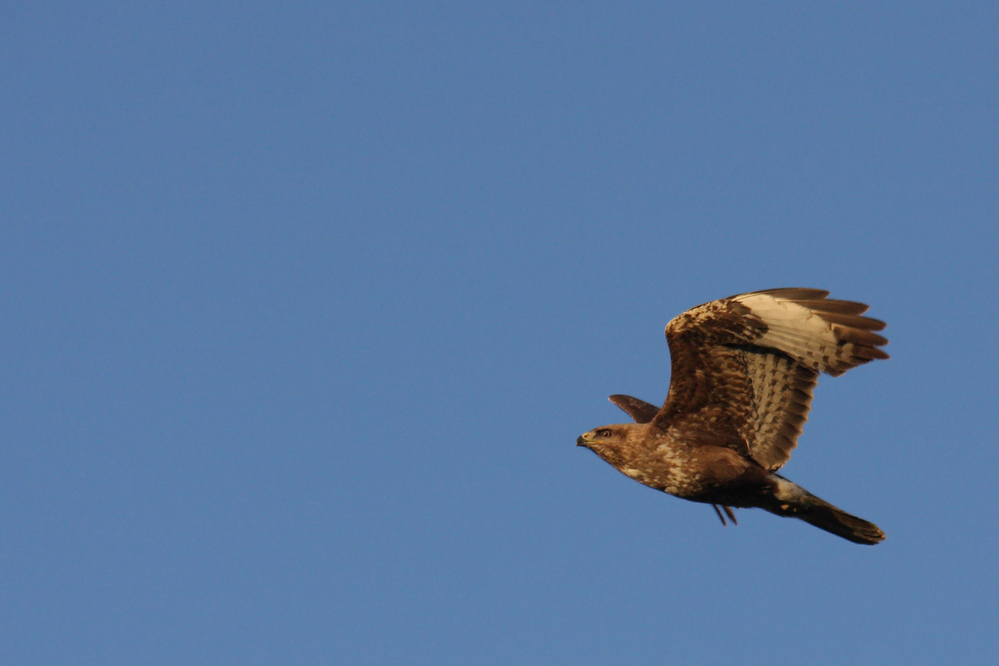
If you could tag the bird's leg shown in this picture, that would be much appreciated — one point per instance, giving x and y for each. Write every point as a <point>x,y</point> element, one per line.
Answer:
<point>728,510</point>
<point>720,516</point>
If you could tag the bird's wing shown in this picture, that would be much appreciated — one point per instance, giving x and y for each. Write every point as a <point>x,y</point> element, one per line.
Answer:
<point>639,410</point>
<point>743,367</point>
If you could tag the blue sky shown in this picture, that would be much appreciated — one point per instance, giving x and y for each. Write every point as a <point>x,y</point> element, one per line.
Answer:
<point>305,304</point>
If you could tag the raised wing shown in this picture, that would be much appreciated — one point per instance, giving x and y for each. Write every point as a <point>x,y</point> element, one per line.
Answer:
<point>743,367</point>
<point>639,410</point>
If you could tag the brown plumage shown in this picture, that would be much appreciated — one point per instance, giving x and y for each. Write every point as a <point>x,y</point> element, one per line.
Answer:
<point>743,370</point>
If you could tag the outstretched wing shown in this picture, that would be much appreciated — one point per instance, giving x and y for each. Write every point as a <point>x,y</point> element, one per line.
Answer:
<point>743,367</point>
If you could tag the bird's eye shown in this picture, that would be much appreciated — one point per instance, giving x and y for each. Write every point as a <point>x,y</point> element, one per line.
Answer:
<point>604,433</point>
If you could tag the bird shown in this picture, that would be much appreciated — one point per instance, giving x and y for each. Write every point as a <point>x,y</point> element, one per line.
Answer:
<point>742,372</point>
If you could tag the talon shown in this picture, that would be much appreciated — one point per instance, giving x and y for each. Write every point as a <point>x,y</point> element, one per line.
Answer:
<point>728,511</point>
<point>720,516</point>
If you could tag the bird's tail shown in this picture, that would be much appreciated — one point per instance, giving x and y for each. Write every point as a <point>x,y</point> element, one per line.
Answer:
<point>793,501</point>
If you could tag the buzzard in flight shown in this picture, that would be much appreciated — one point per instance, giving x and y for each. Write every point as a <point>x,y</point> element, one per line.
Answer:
<point>743,370</point>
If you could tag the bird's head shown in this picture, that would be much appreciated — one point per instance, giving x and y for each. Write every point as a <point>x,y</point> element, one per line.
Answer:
<point>605,434</point>
<point>610,442</point>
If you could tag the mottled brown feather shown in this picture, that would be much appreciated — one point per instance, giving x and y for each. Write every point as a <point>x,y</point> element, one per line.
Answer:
<point>643,412</point>
<point>744,367</point>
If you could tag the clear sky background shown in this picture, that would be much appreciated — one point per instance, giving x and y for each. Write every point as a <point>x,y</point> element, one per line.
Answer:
<point>303,306</point>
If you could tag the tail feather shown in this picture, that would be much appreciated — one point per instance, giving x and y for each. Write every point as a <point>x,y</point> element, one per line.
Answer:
<point>829,518</point>
<point>793,501</point>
